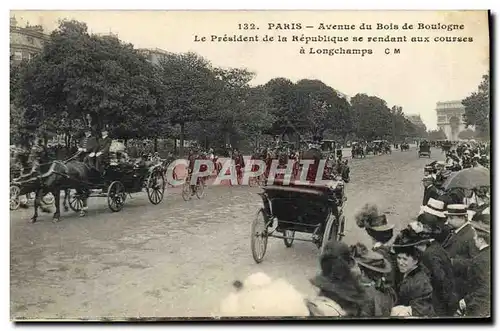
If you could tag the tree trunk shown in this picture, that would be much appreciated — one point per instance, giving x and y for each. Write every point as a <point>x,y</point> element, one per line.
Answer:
<point>155,141</point>
<point>181,147</point>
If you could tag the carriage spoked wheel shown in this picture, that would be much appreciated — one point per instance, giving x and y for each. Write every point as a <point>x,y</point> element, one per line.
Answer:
<point>331,231</point>
<point>290,236</point>
<point>75,202</point>
<point>14,197</point>
<point>156,187</point>
<point>116,196</point>
<point>258,241</point>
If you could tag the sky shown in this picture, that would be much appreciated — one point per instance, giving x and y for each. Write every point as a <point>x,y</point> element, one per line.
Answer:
<point>422,74</point>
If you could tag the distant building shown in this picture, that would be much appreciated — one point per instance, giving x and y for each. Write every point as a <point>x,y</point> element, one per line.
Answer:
<point>25,42</point>
<point>415,119</point>
<point>154,55</point>
<point>450,118</point>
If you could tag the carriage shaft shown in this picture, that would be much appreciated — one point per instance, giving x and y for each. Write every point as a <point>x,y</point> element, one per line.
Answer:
<point>285,237</point>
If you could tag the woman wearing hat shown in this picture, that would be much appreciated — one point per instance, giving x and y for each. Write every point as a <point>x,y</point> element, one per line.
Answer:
<point>374,268</point>
<point>413,285</point>
<point>437,263</point>
<point>339,284</point>
<point>381,233</point>
<point>476,301</point>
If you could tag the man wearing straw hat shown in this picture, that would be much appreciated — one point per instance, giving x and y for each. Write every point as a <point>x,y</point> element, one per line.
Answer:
<point>477,299</point>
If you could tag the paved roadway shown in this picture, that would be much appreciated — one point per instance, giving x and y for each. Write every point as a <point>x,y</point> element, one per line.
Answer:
<point>179,258</point>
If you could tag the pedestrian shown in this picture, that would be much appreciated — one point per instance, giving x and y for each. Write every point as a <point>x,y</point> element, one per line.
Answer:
<point>374,270</point>
<point>381,233</point>
<point>430,190</point>
<point>413,286</point>
<point>430,225</point>
<point>477,299</point>
<point>339,284</point>
<point>460,246</point>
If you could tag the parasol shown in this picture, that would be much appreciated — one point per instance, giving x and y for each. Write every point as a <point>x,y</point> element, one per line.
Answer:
<point>468,178</point>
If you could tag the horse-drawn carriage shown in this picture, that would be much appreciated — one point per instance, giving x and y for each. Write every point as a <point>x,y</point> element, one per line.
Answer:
<point>424,149</point>
<point>357,150</point>
<point>299,207</point>
<point>405,146</point>
<point>19,193</point>
<point>121,179</point>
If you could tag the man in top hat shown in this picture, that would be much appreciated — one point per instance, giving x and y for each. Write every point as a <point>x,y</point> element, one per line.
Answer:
<point>477,302</point>
<point>430,190</point>
<point>102,150</point>
<point>87,145</point>
<point>460,245</point>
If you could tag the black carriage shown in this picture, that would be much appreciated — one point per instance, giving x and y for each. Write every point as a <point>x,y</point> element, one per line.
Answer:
<point>21,187</point>
<point>424,150</point>
<point>306,208</point>
<point>121,179</point>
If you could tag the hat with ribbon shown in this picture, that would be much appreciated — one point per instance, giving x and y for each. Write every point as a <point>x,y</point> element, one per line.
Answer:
<point>371,260</point>
<point>456,210</point>
<point>434,207</point>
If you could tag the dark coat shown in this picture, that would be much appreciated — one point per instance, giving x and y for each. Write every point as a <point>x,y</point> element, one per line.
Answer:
<point>440,271</point>
<point>478,297</point>
<point>351,296</point>
<point>383,299</point>
<point>430,192</point>
<point>104,145</point>
<point>415,290</point>
<point>89,144</point>
<point>386,253</point>
<point>461,249</point>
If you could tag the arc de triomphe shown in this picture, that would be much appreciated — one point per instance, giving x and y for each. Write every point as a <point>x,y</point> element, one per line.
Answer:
<point>450,118</point>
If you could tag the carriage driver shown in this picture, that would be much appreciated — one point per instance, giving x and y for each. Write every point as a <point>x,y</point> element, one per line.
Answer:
<point>87,145</point>
<point>102,151</point>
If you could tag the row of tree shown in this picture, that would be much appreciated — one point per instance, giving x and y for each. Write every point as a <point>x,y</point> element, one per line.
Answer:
<point>80,78</point>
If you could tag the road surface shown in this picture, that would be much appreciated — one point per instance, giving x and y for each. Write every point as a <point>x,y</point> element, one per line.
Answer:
<point>179,258</point>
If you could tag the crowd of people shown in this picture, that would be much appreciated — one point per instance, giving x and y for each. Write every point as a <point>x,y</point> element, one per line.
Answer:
<point>438,265</point>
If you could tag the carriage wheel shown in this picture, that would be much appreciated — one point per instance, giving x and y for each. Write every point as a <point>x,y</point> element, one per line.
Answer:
<point>331,230</point>
<point>48,199</point>
<point>14,197</point>
<point>186,190</point>
<point>116,196</point>
<point>75,202</point>
<point>259,237</point>
<point>289,241</point>
<point>156,187</point>
<point>200,189</point>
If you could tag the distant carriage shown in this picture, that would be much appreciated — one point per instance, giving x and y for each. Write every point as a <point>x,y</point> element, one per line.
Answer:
<point>424,149</point>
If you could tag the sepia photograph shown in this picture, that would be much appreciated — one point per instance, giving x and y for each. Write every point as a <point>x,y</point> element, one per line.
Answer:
<point>250,164</point>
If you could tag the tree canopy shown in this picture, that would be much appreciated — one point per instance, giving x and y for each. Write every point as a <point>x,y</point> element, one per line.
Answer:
<point>477,108</point>
<point>80,77</point>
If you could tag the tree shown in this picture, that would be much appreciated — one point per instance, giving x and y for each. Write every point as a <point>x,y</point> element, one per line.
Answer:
<point>190,89</point>
<point>436,135</point>
<point>373,119</point>
<point>477,108</point>
<point>78,75</point>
